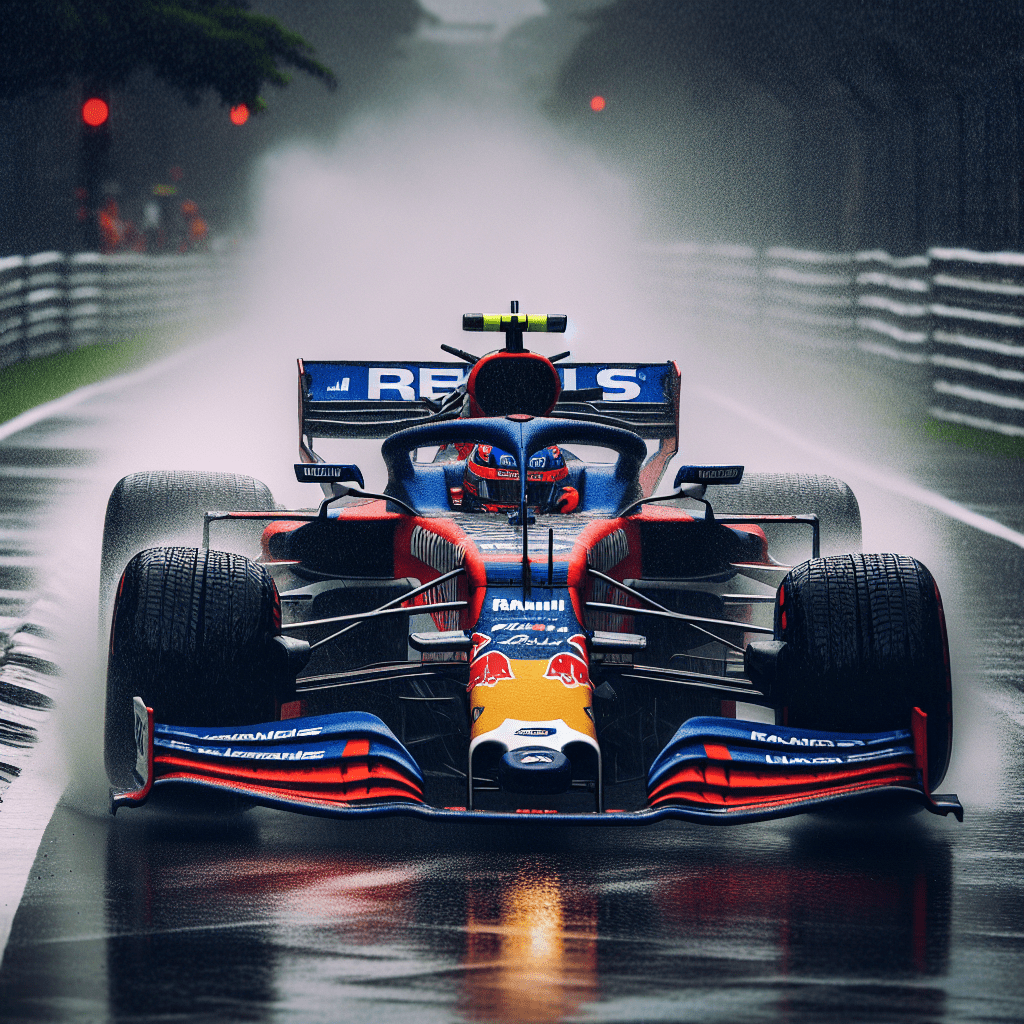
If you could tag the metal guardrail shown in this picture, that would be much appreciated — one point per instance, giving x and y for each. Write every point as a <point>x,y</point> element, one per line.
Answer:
<point>52,302</point>
<point>807,293</point>
<point>892,306</point>
<point>977,339</point>
<point>955,313</point>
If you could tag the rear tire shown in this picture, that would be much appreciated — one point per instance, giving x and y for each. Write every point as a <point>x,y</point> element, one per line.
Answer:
<point>167,507</point>
<point>865,644</point>
<point>827,497</point>
<point>193,637</point>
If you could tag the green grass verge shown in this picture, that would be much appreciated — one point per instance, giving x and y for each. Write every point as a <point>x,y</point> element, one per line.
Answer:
<point>985,441</point>
<point>26,385</point>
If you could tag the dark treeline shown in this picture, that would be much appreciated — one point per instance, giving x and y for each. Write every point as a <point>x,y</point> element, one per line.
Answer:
<point>860,124</point>
<point>168,127</point>
<point>868,123</point>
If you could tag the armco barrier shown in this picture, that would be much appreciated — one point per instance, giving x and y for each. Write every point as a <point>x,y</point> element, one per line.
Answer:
<point>807,294</point>
<point>722,282</point>
<point>52,302</point>
<point>891,306</point>
<point>977,339</point>
<point>955,313</point>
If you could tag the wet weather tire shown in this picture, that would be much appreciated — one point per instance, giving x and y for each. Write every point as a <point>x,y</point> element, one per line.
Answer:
<point>167,507</point>
<point>865,644</point>
<point>827,497</point>
<point>193,637</point>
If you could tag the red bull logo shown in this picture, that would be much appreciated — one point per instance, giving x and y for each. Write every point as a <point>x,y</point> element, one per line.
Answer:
<point>490,669</point>
<point>570,670</point>
<point>480,641</point>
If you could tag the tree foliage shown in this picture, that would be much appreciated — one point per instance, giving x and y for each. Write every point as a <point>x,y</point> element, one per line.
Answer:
<point>867,59</point>
<point>193,45</point>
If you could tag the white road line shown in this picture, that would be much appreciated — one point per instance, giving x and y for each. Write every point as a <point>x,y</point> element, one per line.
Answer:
<point>27,808</point>
<point>879,478</point>
<point>30,799</point>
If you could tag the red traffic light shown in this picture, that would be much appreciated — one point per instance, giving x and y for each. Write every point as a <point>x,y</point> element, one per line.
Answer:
<point>95,112</point>
<point>597,104</point>
<point>239,114</point>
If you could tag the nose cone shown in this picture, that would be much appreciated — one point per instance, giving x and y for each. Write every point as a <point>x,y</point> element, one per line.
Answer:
<point>534,770</point>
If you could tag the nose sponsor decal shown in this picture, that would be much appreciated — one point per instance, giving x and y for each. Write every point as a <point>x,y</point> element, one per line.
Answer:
<point>537,627</point>
<point>528,640</point>
<point>501,604</point>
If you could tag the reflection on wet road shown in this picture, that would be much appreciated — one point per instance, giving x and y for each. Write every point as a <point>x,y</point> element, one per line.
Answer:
<point>267,917</point>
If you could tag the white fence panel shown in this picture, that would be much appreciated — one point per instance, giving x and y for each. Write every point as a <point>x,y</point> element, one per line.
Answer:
<point>955,313</point>
<point>51,302</point>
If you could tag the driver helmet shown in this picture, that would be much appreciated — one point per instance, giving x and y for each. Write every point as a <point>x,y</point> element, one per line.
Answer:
<point>490,482</point>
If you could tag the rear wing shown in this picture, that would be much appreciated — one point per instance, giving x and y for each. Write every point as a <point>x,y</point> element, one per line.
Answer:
<point>373,400</point>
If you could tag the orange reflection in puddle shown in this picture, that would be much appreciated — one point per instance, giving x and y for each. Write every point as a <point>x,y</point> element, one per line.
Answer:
<point>531,950</point>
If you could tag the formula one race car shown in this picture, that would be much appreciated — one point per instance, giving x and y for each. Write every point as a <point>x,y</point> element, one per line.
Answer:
<point>517,626</point>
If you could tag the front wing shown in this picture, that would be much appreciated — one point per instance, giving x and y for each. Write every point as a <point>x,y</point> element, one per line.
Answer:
<point>713,771</point>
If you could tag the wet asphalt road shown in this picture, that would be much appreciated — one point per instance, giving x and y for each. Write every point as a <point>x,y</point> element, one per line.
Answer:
<point>269,916</point>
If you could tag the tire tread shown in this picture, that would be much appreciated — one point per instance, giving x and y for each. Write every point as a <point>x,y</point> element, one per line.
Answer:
<point>866,644</point>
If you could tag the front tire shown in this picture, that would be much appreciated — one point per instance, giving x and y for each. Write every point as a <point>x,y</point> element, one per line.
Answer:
<point>865,644</point>
<point>193,637</point>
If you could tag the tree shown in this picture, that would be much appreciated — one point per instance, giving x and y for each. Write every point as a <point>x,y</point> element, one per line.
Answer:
<point>193,45</point>
<point>857,125</point>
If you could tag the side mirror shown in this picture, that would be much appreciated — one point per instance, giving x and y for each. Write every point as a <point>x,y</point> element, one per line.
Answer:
<point>704,475</point>
<point>604,642</point>
<point>692,482</point>
<point>452,641</point>
<point>327,473</point>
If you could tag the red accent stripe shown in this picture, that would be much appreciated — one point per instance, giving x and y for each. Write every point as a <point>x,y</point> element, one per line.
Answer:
<point>741,778</point>
<point>356,748</point>
<point>272,530</point>
<point>320,775</point>
<point>354,795</point>
<point>740,800</point>
<point>769,792</point>
<point>471,587</point>
<point>716,752</point>
<point>291,709</point>
<point>376,509</point>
